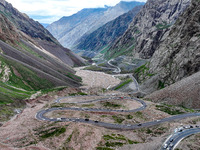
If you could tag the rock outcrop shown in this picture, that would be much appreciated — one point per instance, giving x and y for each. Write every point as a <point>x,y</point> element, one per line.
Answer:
<point>179,54</point>
<point>150,27</point>
<point>108,33</point>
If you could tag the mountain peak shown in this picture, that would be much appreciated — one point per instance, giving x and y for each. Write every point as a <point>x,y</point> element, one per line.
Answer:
<point>69,30</point>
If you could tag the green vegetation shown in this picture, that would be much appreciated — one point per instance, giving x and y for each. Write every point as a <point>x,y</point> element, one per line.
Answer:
<point>172,110</point>
<point>111,105</point>
<point>55,131</point>
<point>118,119</point>
<point>96,68</point>
<point>123,84</point>
<point>114,140</point>
<point>28,49</point>
<point>56,89</point>
<point>162,26</point>
<point>142,72</point>
<point>93,68</point>
<point>104,116</point>
<point>27,79</point>
<point>129,116</point>
<point>154,131</point>
<point>116,53</point>
<point>161,85</point>
<point>139,114</point>
<point>5,112</point>
<point>88,105</point>
<point>104,148</point>
<point>114,144</point>
<point>141,68</point>
<point>69,138</point>
<point>105,49</point>
<point>78,93</point>
<point>73,77</point>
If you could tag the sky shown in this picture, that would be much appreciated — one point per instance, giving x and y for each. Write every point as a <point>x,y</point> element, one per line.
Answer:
<point>48,11</point>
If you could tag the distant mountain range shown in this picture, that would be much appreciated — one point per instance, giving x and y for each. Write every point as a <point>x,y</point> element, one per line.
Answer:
<point>44,24</point>
<point>102,38</point>
<point>68,30</point>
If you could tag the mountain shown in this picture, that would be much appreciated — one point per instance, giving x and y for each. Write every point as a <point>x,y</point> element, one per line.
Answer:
<point>182,93</point>
<point>44,24</point>
<point>68,30</point>
<point>178,56</point>
<point>149,28</point>
<point>108,33</point>
<point>31,59</point>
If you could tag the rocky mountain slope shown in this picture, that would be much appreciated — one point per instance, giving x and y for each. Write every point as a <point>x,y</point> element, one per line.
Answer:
<point>178,56</point>
<point>108,33</point>
<point>31,58</point>
<point>70,29</point>
<point>183,93</point>
<point>149,28</point>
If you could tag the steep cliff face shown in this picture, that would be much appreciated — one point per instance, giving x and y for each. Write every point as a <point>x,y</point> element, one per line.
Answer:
<point>24,23</point>
<point>31,59</point>
<point>68,30</point>
<point>179,55</point>
<point>108,33</point>
<point>150,27</point>
<point>16,25</point>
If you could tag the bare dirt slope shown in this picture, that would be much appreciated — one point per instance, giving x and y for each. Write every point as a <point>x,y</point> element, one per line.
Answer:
<point>93,79</point>
<point>185,92</point>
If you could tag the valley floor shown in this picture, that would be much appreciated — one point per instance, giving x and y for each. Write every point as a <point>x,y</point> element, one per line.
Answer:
<point>25,132</point>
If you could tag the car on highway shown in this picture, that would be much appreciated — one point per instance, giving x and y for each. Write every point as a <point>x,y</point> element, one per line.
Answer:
<point>139,124</point>
<point>171,145</point>
<point>187,127</point>
<point>58,119</point>
<point>128,125</point>
<point>86,119</point>
<point>171,140</point>
<point>165,145</point>
<point>96,121</point>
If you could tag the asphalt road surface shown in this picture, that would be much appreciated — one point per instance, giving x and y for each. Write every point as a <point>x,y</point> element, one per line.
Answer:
<point>41,116</point>
<point>174,140</point>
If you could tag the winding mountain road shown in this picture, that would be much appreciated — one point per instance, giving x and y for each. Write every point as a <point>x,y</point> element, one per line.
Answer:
<point>41,115</point>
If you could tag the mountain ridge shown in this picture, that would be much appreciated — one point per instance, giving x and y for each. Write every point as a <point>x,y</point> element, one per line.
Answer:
<point>149,27</point>
<point>69,32</point>
<point>108,33</point>
<point>31,59</point>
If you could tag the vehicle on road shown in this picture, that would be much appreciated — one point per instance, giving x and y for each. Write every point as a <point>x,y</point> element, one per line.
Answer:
<point>165,145</point>
<point>171,140</point>
<point>86,119</point>
<point>96,121</point>
<point>139,124</point>
<point>58,119</point>
<point>171,145</point>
